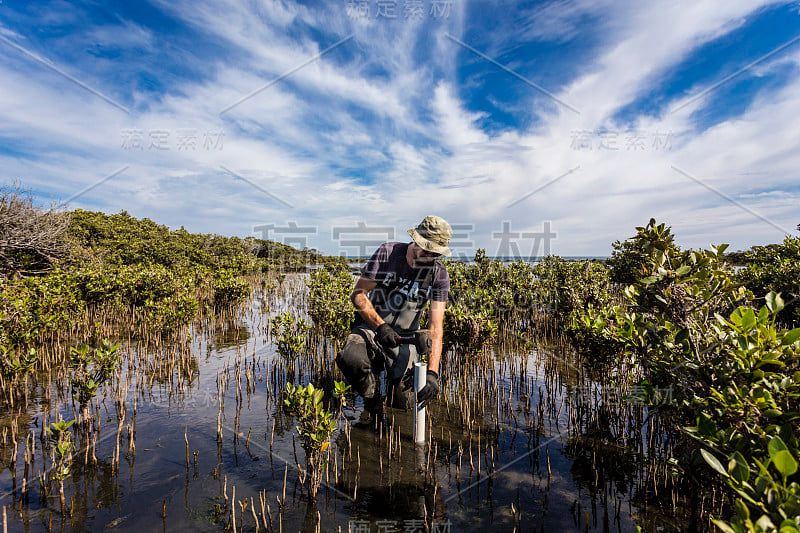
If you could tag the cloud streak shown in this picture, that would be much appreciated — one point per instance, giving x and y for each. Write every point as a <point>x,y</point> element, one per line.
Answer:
<point>391,124</point>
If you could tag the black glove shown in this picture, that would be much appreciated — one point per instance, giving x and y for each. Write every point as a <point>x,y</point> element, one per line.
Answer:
<point>387,336</point>
<point>423,341</point>
<point>430,390</point>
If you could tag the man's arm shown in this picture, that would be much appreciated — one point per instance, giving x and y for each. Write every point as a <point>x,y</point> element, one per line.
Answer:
<point>362,304</point>
<point>436,331</point>
<point>431,388</point>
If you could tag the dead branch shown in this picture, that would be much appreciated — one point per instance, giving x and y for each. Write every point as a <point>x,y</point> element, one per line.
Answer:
<point>31,238</point>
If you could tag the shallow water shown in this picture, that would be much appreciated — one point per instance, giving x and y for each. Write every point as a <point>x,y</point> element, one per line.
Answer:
<point>534,453</point>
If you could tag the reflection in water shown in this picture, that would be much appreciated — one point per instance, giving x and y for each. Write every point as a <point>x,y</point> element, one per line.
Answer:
<point>392,484</point>
<point>193,435</point>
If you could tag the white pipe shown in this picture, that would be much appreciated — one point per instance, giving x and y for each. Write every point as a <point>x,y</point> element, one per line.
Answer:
<point>420,378</point>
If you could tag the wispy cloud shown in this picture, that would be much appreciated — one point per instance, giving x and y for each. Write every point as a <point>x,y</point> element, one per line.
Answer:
<point>393,124</point>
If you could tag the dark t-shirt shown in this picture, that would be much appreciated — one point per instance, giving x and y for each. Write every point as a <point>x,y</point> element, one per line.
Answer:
<point>388,265</point>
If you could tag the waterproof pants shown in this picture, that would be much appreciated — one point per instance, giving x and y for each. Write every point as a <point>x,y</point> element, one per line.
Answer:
<point>362,360</point>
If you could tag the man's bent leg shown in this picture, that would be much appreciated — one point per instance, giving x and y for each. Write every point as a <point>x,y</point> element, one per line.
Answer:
<point>354,362</point>
<point>374,404</point>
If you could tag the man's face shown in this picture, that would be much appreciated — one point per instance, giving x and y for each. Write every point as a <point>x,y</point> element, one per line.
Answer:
<point>422,256</point>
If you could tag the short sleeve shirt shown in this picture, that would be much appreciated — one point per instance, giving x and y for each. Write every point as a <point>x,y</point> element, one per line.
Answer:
<point>389,265</point>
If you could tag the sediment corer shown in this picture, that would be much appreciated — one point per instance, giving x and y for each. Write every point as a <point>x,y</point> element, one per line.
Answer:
<point>421,339</point>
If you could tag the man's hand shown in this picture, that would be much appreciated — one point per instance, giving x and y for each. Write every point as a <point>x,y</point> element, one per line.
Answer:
<point>430,390</point>
<point>387,336</point>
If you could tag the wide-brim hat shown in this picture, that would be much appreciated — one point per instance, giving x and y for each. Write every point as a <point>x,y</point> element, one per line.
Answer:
<point>433,234</point>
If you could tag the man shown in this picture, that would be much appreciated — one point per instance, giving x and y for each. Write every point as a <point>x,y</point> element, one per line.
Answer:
<point>395,286</point>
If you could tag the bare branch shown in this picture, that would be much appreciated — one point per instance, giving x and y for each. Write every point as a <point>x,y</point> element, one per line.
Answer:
<point>31,238</point>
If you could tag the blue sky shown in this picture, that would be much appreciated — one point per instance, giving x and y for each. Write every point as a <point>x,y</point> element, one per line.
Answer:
<point>328,123</point>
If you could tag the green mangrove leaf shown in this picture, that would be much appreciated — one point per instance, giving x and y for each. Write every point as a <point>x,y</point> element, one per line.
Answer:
<point>788,526</point>
<point>769,359</point>
<point>776,445</point>
<point>737,466</point>
<point>748,320</point>
<point>785,463</point>
<point>790,337</point>
<point>774,301</point>
<point>742,510</point>
<point>706,425</point>
<point>721,320</point>
<point>713,462</point>
<point>723,526</point>
<point>765,523</point>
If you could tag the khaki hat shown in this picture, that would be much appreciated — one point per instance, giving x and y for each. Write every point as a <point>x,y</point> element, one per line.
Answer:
<point>433,234</point>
